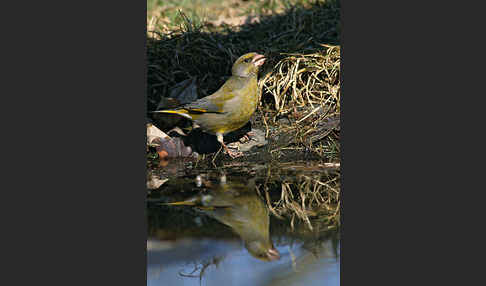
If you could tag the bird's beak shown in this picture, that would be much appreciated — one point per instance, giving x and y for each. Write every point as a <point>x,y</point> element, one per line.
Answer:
<point>258,60</point>
<point>273,254</point>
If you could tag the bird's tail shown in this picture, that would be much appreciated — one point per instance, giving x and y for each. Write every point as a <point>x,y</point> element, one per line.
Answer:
<point>181,112</point>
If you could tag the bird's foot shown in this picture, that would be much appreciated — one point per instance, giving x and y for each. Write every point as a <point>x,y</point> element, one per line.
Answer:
<point>247,137</point>
<point>232,154</point>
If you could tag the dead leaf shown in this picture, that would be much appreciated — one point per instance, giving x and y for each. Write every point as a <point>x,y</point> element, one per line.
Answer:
<point>185,91</point>
<point>172,148</point>
<point>154,133</point>
<point>166,146</point>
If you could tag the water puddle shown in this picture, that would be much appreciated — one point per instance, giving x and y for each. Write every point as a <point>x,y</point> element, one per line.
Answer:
<point>258,224</point>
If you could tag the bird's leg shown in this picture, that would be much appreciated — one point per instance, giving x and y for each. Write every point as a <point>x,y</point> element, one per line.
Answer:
<point>232,154</point>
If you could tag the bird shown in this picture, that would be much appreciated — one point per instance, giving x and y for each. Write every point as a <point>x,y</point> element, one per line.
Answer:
<point>231,106</point>
<point>234,202</point>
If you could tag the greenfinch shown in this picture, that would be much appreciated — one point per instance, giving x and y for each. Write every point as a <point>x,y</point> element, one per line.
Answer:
<point>231,106</point>
<point>236,204</point>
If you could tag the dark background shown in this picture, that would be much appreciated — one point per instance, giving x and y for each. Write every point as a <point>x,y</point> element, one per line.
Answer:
<point>74,139</point>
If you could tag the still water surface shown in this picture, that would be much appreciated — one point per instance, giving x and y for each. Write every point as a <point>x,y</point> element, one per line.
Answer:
<point>214,227</point>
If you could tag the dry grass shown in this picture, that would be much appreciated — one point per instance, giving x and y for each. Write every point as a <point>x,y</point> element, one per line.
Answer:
<point>305,91</point>
<point>301,80</point>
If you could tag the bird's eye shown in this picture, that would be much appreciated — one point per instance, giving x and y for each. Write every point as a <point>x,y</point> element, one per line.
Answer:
<point>247,60</point>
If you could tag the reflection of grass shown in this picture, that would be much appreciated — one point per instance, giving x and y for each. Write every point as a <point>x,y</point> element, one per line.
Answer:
<point>303,199</point>
<point>311,198</point>
<point>174,223</point>
<point>306,196</point>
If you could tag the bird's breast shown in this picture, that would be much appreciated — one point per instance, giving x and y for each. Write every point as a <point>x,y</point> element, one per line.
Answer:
<point>237,110</point>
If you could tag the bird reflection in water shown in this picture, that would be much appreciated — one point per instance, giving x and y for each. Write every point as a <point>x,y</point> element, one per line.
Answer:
<point>235,203</point>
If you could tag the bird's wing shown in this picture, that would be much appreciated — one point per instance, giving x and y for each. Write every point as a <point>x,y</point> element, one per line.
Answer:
<point>204,105</point>
<point>214,103</point>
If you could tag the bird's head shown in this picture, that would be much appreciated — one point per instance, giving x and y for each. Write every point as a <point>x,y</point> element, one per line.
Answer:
<point>262,251</point>
<point>247,65</point>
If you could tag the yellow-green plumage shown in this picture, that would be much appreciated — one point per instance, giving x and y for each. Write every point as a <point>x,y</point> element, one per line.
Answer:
<point>232,105</point>
<point>236,204</point>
